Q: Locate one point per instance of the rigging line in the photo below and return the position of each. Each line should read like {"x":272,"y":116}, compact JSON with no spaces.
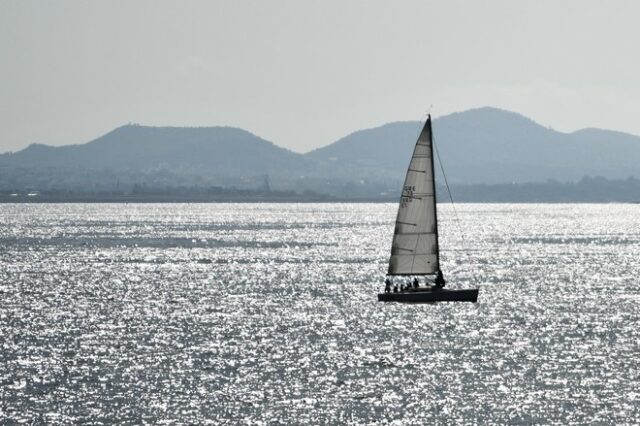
{"x":474,"y":278}
{"x":446,"y":183}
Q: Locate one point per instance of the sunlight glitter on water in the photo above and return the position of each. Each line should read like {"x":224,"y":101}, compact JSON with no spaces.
{"x":214,"y":313}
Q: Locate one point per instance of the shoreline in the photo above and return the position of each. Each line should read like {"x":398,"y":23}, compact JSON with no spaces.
{"x":275,"y":200}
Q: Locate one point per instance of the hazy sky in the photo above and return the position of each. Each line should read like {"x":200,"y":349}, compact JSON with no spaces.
{"x":303,"y":74}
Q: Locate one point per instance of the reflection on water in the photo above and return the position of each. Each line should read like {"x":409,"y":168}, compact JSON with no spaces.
{"x":267,"y":313}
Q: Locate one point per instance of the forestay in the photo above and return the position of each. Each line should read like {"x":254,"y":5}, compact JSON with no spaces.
{"x":414,"y":250}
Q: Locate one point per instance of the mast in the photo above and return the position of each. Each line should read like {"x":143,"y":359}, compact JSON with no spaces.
{"x":433,"y":189}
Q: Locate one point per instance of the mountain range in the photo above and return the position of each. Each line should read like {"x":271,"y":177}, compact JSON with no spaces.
{"x":490,"y":146}
{"x":478,"y":146}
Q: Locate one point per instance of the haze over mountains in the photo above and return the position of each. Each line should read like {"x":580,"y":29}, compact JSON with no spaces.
{"x":479,"y":146}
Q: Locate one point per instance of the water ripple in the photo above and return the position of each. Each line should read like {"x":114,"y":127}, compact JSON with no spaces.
{"x":266,"y":314}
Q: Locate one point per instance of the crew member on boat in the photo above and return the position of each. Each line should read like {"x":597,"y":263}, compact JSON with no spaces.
{"x":440,"y":282}
{"x":387,"y":285}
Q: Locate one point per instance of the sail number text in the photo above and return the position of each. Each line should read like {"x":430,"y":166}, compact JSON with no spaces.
{"x":407,"y":195}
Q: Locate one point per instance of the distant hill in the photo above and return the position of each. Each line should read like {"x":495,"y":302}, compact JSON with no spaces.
{"x":161,"y":156}
{"x":380,"y":154}
{"x":489,"y":145}
{"x":207,"y":150}
{"x":479,"y":146}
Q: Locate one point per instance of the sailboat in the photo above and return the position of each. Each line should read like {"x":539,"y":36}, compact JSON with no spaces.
{"x":415,"y":250}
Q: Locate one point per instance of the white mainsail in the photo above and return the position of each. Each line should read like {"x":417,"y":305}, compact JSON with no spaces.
{"x":414,"y":250}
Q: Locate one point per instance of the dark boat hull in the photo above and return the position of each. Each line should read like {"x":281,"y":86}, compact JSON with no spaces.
{"x":422,"y":295}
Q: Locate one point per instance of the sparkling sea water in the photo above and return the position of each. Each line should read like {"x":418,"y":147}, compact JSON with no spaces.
{"x":267,"y":314}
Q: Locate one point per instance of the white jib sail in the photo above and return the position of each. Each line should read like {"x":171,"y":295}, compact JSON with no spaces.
{"x":414,"y":250}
